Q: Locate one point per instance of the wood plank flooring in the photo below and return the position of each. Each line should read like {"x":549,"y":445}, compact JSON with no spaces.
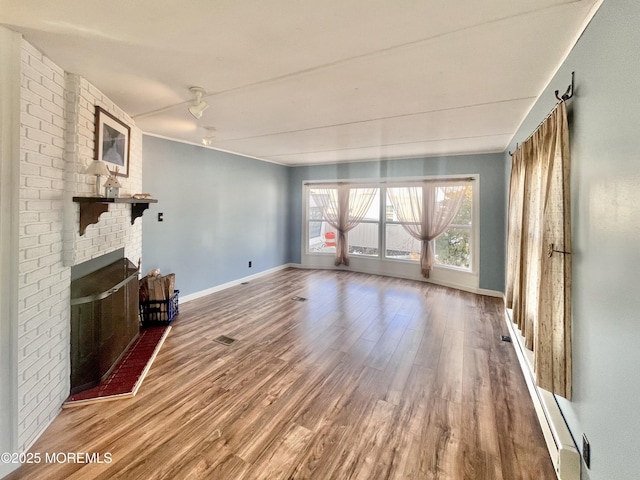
{"x":370,"y":378}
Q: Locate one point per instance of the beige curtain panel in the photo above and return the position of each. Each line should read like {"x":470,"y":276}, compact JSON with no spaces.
{"x":538,"y":284}
{"x":425,"y":213}
{"x":343,"y":208}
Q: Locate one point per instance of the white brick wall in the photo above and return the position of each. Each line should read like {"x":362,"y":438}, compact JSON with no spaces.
{"x":43,"y":318}
{"x":114,"y":229}
{"x":56,"y":144}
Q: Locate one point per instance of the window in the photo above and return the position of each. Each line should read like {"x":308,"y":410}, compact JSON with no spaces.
{"x":322,"y":236}
{"x":399,"y":244}
{"x":453,"y":247}
{"x":381,"y":236}
{"x":363,"y":239}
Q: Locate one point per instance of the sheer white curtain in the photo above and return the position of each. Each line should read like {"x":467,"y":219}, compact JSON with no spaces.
{"x":538,"y":285}
{"x":425,"y":212}
{"x":343,"y":208}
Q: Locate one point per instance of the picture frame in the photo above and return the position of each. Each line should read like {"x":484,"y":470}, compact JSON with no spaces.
{"x":112,"y":142}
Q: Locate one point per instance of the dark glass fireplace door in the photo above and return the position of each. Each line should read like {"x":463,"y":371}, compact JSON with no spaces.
{"x":104,"y":321}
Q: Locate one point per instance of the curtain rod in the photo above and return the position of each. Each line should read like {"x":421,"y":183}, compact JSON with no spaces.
{"x":426,"y":180}
{"x":565,"y":96}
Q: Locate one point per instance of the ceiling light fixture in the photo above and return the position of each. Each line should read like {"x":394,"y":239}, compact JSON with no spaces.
{"x":200,"y":106}
{"x":210,"y":138}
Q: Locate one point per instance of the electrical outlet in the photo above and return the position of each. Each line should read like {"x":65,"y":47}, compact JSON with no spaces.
{"x":161,"y":217}
{"x":586,"y":451}
{"x":250,"y":263}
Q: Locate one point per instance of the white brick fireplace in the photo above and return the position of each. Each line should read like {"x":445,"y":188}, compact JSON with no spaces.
{"x":46,"y":156}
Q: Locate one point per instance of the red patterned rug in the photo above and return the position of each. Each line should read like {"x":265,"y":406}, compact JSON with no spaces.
{"x":127,"y":376}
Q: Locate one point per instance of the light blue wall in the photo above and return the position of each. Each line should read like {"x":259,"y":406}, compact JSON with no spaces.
{"x":220,"y":212}
{"x":605,"y":194}
{"x":207,"y":196}
{"x":490,"y":167}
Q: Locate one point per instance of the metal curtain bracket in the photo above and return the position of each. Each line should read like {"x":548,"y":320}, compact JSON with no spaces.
{"x":569,"y":93}
{"x":565,"y":96}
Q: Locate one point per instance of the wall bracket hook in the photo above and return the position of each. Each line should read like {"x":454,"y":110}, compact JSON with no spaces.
{"x":569,"y":93}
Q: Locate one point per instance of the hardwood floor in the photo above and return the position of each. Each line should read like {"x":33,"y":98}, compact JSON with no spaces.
{"x":370,"y":378}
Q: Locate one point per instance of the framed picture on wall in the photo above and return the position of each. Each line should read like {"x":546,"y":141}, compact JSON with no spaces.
{"x":112,"y":142}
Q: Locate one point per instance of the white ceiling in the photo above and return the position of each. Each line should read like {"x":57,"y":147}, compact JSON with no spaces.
{"x":308,"y":82}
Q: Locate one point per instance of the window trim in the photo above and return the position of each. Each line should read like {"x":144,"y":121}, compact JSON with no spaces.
{"x":459,"y":277}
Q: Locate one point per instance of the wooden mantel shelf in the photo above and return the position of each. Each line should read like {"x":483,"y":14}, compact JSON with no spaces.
{"x":92,"y":207}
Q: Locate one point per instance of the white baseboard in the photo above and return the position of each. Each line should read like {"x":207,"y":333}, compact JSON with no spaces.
{"x":464,"y":288}
{"x":489,"y":293}
{"x":233,"y":283}
{"x":562,"y":449}
{"x":224,"y":286}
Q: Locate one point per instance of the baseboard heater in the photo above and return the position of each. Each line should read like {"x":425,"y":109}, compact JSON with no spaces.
{"x":562,"y":449}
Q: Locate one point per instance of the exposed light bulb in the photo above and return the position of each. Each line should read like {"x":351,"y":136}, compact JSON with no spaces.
{"x":210,"y":138}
